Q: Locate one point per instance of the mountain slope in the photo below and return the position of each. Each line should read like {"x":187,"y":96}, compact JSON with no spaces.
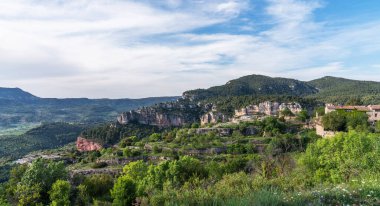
{"x":255,"y":85}
{"x":341,"y":90}
{"x":327,"y":89}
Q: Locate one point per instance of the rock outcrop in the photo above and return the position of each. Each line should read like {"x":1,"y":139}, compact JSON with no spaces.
{"x":85,"y":145}
{"x":268,"y":108}
{"x":163,"y":115}
{"x":213,"y":117}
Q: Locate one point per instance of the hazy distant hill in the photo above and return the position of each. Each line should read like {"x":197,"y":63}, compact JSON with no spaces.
{"x":15,"y":94}
{"x":18,"y":106}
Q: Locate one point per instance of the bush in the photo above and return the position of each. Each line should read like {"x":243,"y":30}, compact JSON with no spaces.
{"x":60,"y":193}
{"x":343,"y":157}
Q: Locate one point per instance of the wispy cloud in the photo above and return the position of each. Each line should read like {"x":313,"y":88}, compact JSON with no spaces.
{"x":118,"y":48}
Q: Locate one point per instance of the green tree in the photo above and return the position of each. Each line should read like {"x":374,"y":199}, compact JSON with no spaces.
{"x":28,"y":195}
{"x":320,"y":111}
{"x":303,"y":116}
{"x":155,"y":137}
{"x":98,"y":185}
{"x":357,"y":119}
{"x":15,"y":177}
{"x":83,"y":197}
{"x":343,"y":157}
{"x":354,"y":101}
{"x":377,"y":126}
{"x":60,"y":193}
{"x":137,"y":171}
{"x":195,"y":125}
{"x":335,"y":121}
{"x":44,"y":173}
{"x":37,"y":180}
{"x":124,"y":191}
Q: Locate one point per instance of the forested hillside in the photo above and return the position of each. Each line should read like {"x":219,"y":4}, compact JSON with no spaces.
{"x":46,"y":136}
{"x":340,"y":90}
{"x":326,"y":89}
{"x":255,"y":85}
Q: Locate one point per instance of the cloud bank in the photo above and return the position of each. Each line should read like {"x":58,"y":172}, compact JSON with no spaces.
{"x":119,"y":48}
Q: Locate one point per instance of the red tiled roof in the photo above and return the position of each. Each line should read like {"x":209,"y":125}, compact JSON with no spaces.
{"x":375,"y":107}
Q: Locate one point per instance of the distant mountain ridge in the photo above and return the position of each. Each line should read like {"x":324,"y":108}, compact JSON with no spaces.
{"x":15,"y":94}
{"x":257,"y":85}
{"x":18,"y":106}
{"x":326,"y":89}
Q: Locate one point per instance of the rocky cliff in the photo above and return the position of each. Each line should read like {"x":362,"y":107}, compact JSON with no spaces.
{"x":213,"y":117}
{"x":268,"y":108}
{"x":85,"y":145}
{"x":164,"y":114}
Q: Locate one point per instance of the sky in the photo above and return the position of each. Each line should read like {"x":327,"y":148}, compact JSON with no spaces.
{"x":142,"y":48}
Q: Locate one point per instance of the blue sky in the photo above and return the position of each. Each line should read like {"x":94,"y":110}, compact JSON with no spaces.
{"x":140,"y":48}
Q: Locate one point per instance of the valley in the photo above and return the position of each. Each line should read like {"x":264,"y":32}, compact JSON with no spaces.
{"x":252,"y":141}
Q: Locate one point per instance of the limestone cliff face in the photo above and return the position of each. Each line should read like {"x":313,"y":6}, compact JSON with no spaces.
{"x":268,"y":108}
{"x":163,"y":115}
{"x":213,"y":117}
{"x":85,"y":145}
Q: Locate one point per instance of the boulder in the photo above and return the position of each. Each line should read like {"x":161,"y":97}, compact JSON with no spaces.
{"x":85,"y":145}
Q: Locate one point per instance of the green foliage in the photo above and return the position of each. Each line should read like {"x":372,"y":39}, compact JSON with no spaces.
{"x":155,"y":137}
{"x":343,"y":157}
{"x":60,"y":193}
{"x":342,"y":121}
{"x":287,"y":112}
{"x":47,"y":136}
{"x":83,"y":197}
{"x":334,"y":121}
{"x":28,"y":194}
{"x":124,"y":191}
{"x":97,"y":186}
{"x":112,"y":134}
{"x":343,"y":91}
{"x":44,"y":173}
{"x":354,"y":102}
{"x":320,"y":111}
{"x":377,"y":126}
{"x":255,"y":85}
{"x":30,"y":185}
{"x":303,"y":116}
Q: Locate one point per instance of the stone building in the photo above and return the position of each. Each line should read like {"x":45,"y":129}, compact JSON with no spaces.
{"x":373,"y":111}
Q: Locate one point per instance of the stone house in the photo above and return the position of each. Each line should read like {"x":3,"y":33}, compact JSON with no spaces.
{"x":373,"y":112}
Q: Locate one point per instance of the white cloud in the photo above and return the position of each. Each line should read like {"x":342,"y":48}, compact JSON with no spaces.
{"x":117,"y":48}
